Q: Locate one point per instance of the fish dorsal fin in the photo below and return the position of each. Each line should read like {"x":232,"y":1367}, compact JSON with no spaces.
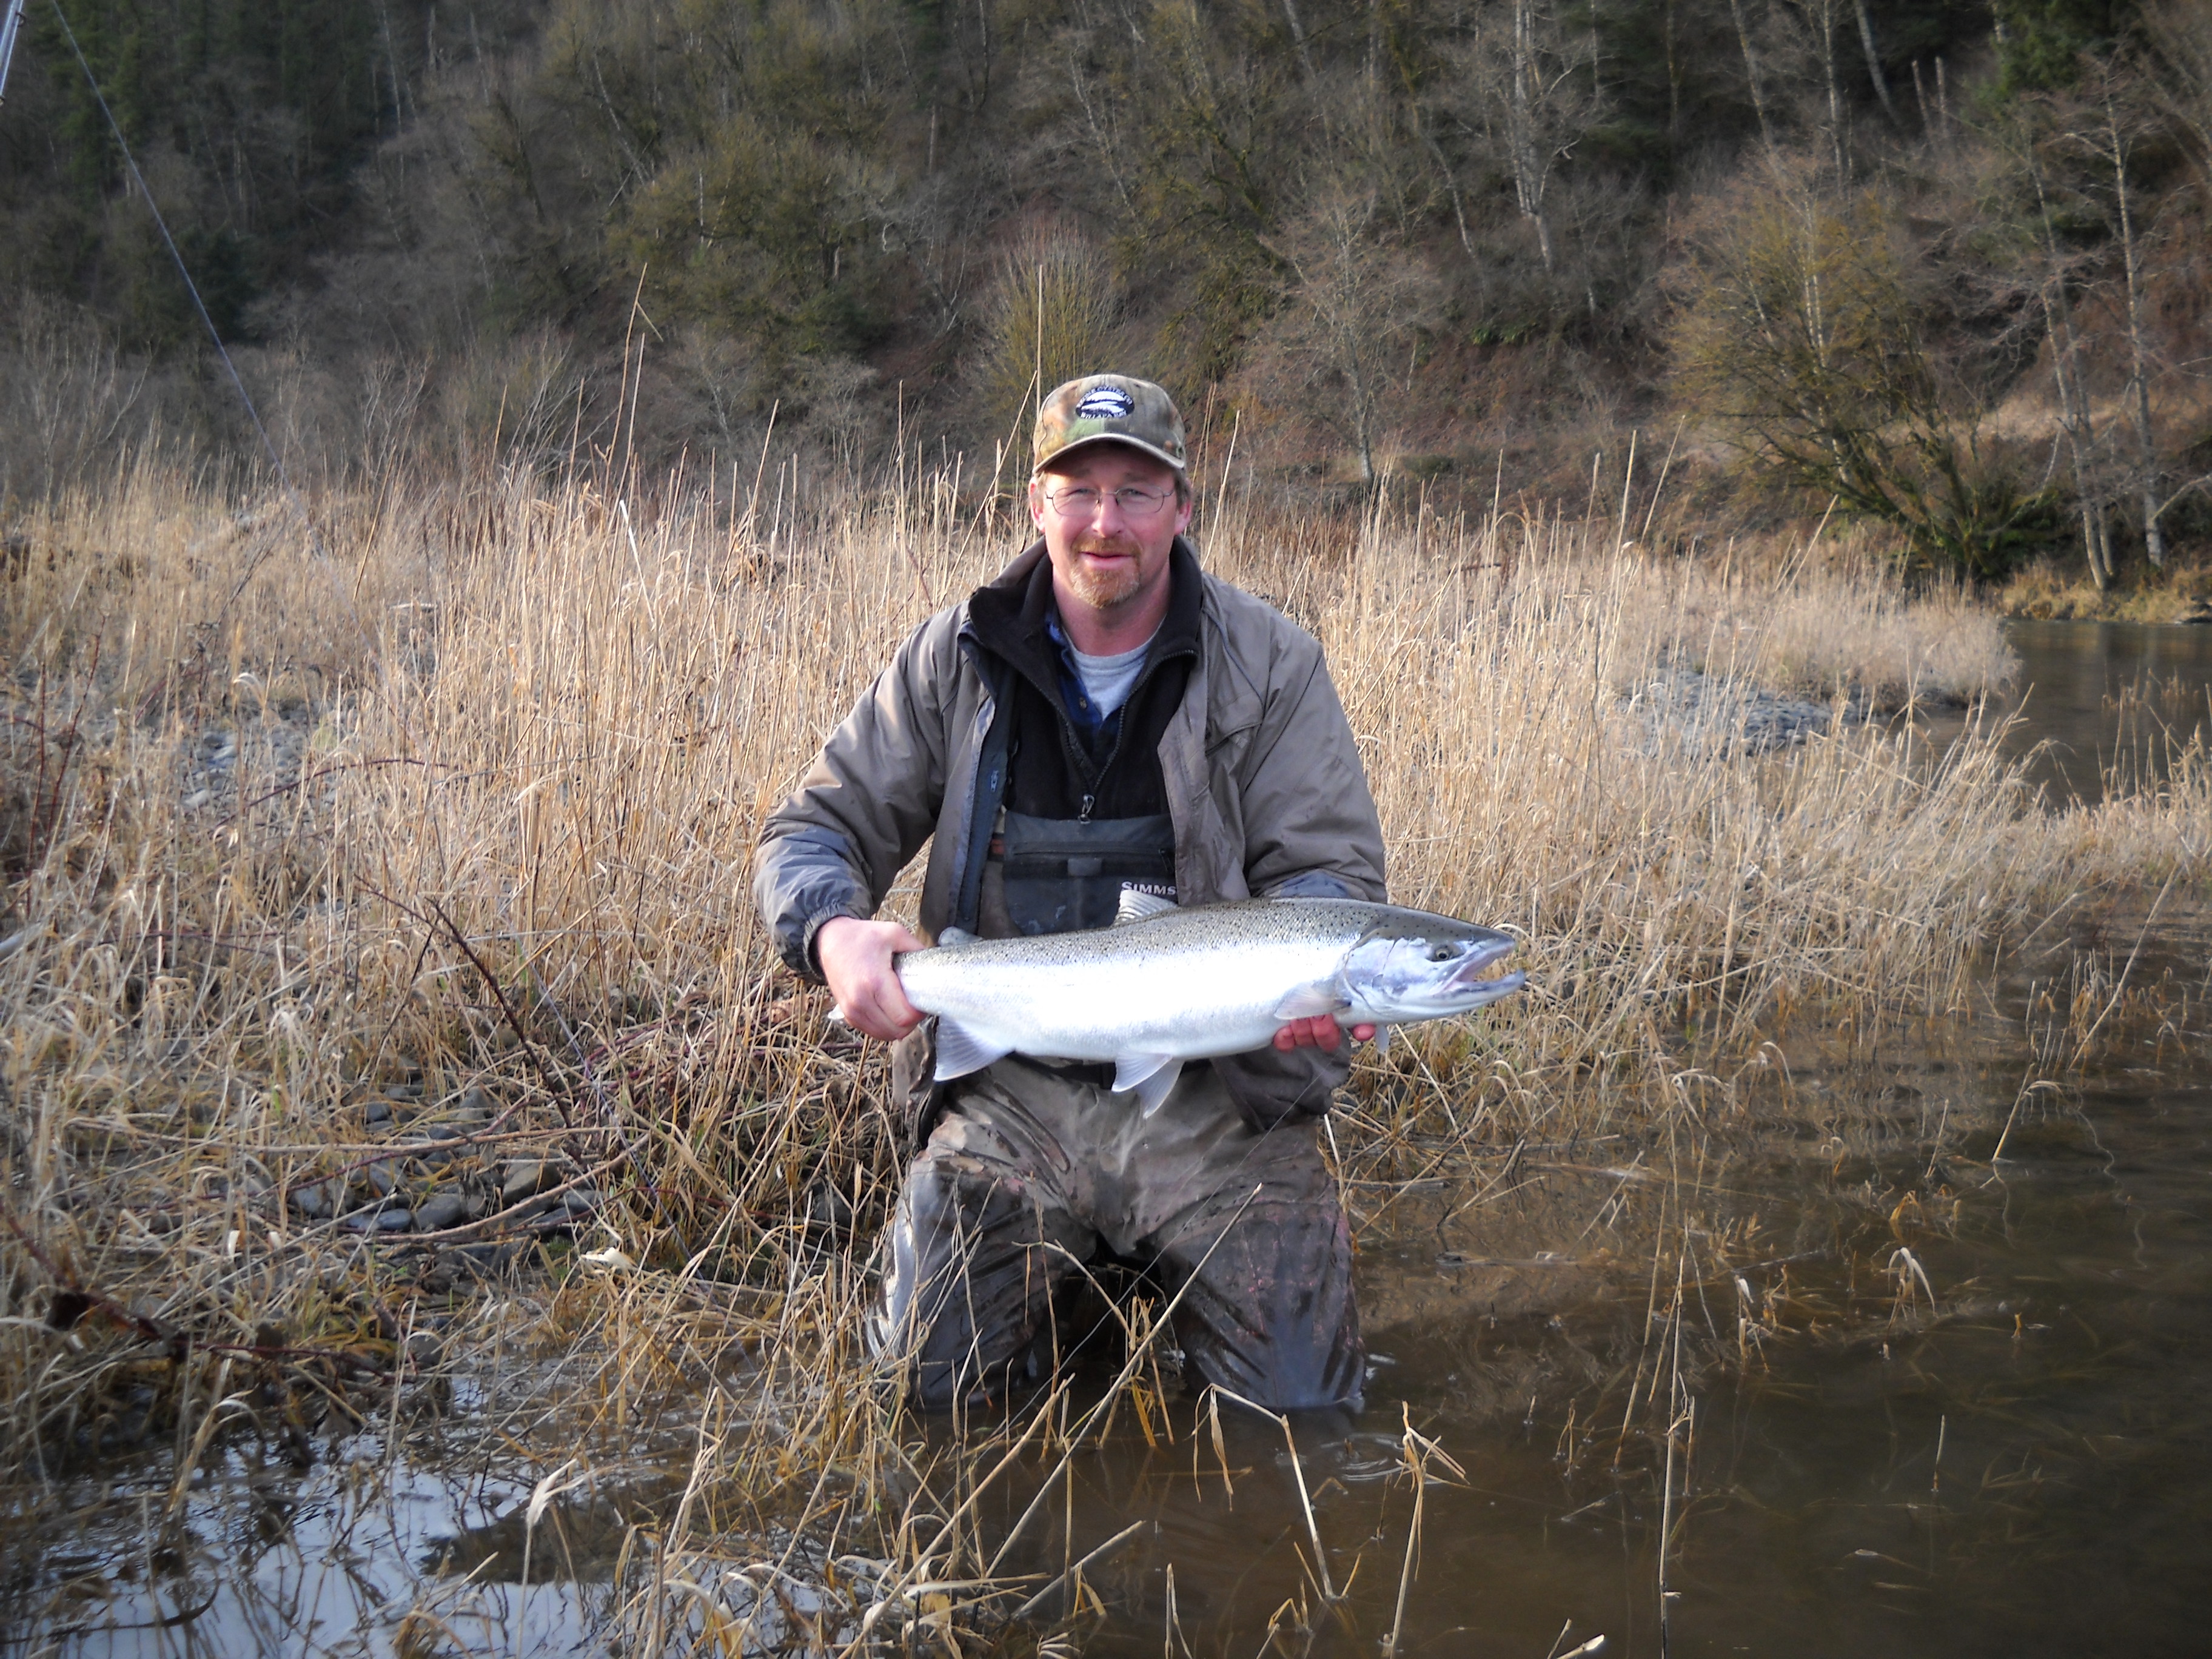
{"x":960,"y":1051}
{"x":955,"y":936}
{"x":1138,"y":905}
{"x":1148,"y":1077}
{"x":1322,"y":996}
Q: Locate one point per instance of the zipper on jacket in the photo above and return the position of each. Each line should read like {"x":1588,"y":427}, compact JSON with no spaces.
{"x":1083,"y":816}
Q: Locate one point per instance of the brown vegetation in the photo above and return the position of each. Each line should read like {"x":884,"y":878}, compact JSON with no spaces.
{"x":1941,"y":267}
{"x":423,"y":854}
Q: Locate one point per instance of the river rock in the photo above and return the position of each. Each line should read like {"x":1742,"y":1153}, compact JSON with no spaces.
{"x":395,"y":1219}
{"x":435,"y":1215}
{"x":525,"y":1178}
{"x":1710,"y":714}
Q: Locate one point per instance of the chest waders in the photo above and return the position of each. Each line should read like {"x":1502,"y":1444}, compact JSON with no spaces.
{"x":1063,"y":875}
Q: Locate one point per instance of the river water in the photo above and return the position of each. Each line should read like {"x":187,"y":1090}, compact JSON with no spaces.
{"x":2093,"y":698}
{"x":1920,"y":1363}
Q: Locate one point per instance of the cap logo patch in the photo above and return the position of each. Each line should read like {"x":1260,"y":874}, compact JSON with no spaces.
{"x":1105,"y":403}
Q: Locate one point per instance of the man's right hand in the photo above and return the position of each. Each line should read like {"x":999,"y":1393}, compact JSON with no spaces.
{"x":855,"y":957}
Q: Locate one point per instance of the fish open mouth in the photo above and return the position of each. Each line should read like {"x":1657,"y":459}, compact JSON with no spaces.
{"x":1474,"y":984}
{"x":1474,"y":970}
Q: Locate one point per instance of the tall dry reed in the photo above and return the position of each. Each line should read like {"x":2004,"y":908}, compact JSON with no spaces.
{"x":460,"y":803}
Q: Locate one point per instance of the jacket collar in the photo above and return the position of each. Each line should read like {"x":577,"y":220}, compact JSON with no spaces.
{"x":1007,"y":616}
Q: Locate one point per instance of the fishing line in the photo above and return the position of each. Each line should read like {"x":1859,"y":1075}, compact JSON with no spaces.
{"x":292,"y":497}
{"x":277,"y":461}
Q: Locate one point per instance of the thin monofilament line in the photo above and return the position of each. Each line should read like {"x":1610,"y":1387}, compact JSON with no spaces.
{"x":277,"y":461}
{"x":283,"y":479}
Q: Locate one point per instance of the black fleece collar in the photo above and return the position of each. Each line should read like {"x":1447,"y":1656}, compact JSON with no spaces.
{"x":1007,"y":616}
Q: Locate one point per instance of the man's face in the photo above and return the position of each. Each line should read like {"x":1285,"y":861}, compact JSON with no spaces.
{"x":1106,"y":557}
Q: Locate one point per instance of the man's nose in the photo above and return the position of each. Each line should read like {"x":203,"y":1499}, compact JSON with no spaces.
{"x":1110,"y":517}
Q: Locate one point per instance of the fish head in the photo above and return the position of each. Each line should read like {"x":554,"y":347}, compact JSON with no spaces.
{"x":1419,"y":966}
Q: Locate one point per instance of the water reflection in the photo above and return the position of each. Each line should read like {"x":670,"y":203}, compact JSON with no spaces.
{"x":2096,"y":696}
{"x":2002,"y":1446}
{"x":357,"y":1556}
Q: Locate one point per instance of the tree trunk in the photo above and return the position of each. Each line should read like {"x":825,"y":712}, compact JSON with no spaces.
{"x":2075,"y":420}
{"x":2097,"y":540}
{"x":1674,"y":84}
{"x":1751,"y":73}
{"x":1827,"y":14}
{"x":1298,"y":37}
{"x":1530,"y":166}
{"x":2077,"y":425}
{"x":1451,"y":183}
{"x":1874,"y":63}
{"x":2139,"y":366}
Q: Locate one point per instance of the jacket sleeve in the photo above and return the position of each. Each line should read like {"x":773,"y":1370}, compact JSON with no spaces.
{"x":1310,"y":828}
{"x":1310,"y":831}
{"x":867,"y":805}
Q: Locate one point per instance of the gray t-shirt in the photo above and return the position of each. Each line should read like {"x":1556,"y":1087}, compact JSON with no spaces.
{"x":1107,"y":680}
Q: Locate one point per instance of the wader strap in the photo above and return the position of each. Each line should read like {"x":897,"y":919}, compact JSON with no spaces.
{"x":990,"y":790}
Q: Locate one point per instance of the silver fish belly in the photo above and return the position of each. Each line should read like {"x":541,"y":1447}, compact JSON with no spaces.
{"x":1166,"y":985}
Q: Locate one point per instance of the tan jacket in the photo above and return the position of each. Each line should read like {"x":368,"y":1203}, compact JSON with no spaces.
{"x":1263,"y":781}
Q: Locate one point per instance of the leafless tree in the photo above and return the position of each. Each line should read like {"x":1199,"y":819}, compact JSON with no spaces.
{"x":1522,"y":92}
{"x":1351,"y":314}
{"x":1816,"y":22}
{"x":1874,"y":61}
{"x":1751,"y":75}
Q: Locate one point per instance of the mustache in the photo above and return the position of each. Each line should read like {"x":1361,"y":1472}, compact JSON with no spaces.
{"x":1093,"y":543}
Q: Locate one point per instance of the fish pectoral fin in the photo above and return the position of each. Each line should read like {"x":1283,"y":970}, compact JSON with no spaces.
{"x":1148,"y":1077}
{"x":1137,"y":905}
{"x":1382,"y":1041}
{"x":960,"y":1051}
{"x":1323,"y":996}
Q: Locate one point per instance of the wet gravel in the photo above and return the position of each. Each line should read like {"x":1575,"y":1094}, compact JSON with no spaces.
{"x":1708,"y":714}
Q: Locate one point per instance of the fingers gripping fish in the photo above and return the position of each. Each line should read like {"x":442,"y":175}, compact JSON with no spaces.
{"x":1165,"y":985}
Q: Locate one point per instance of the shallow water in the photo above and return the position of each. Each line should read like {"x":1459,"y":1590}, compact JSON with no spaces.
{"x":2091,"y":696}
{"x":2021,"y":1464}
{"x":2018,"y":1462}
{"x":1999,"y":1441}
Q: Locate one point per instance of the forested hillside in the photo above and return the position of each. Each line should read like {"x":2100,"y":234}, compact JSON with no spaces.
{"x":1943,"y":265}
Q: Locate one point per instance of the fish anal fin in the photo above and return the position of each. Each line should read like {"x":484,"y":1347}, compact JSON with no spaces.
{"x":960,"y":1051}
{"x":1323,"y":996}
{"x":1138,"y":905}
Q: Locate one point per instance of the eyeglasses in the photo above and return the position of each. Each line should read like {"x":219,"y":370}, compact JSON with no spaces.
{"x":1082,"y":501}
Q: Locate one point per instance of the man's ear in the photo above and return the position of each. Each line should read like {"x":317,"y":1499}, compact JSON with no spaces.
{"x":1036,"y":502}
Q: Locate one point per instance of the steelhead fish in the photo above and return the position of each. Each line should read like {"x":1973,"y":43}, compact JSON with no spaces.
{"x":1165,"y":985}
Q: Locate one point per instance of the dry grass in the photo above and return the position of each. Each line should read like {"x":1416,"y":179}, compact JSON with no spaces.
{"x":532,"y":734}
{"x":2047,"y":589}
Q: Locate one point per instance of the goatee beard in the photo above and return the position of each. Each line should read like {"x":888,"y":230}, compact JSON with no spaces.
{"x":1103,"y":590}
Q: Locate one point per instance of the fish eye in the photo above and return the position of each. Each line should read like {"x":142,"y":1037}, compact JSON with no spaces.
{"x":1440,"y":953}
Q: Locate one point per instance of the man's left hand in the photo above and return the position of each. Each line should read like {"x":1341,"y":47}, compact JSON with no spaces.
{"x":1321,"y":1032}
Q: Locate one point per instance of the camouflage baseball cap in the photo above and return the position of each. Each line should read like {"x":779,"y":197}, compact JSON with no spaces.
{"x":1099,"y":408}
